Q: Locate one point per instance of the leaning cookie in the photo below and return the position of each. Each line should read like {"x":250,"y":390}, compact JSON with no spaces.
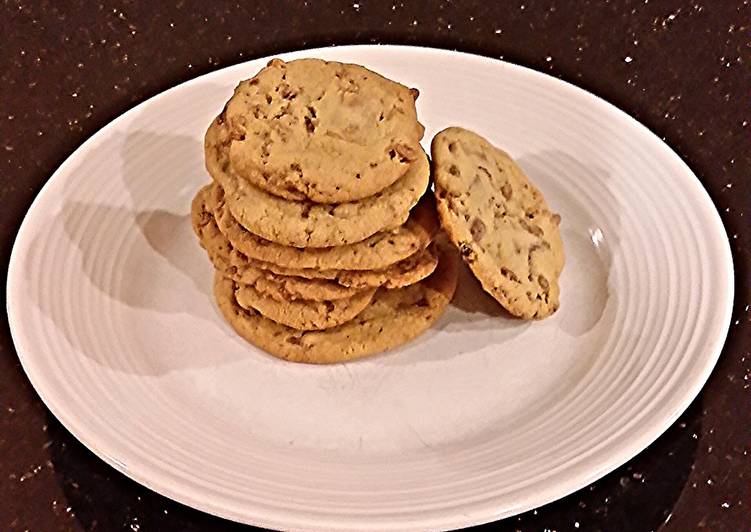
{"x":393,"y":318}
{"x":499,"y":221}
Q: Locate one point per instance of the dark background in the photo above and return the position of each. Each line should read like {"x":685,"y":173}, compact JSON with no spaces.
{"x":682,"y":68}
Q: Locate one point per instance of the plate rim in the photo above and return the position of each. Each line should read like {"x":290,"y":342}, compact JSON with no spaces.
{"x":617,"y":456}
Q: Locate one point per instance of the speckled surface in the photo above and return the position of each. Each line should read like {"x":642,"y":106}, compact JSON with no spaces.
{"x":682,"y":68}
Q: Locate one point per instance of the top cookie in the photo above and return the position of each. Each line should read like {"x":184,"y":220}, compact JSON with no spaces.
{"x":321,"y":130}
{"x":499,"y":221}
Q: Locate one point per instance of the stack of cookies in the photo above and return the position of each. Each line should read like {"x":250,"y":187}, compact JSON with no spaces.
{"x":319,"y":220}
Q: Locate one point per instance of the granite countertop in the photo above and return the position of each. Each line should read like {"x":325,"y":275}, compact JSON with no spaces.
{"x":681,"y":68}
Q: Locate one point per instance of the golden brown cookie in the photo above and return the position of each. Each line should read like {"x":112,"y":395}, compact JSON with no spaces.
{"x":287,"y":288}
{"x":403,"y":273}
{"x":321,"y":130}
{"x":499,"y":221}
{"x":306,"y":224}
{"x":393,"y":318}
{"x":236,"y":266}
{"x":302,"y":314}
{"x":302,"y":283}
{"x":374,"y":253}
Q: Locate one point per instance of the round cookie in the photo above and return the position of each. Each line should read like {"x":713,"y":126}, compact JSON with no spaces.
{"x":374,"y":253}
{"x":308,"y":283}
{"x":321,"y":130}
{"x":286,"y":288}
{"x":303,"y":314}
{"x":403,"y":273}
{"x":499,"y":221}
{"x":236,"y":266}
{"x":393,"y":318}
{"x":305,"y":224}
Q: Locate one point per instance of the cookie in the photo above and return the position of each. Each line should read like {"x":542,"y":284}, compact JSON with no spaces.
{"x":374,"y":253}
{"x":322,"y":131}
{"x":286,"y":288}
{"x":301,"y":314}
{"x":306,"y":224}
{"x":403,"y":273}
{"x":499,"y":221}
{"x":236,"y":266}
{"x":393,"y":318}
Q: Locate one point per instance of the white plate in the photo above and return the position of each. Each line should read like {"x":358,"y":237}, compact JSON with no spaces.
{"x":481,"y":418}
